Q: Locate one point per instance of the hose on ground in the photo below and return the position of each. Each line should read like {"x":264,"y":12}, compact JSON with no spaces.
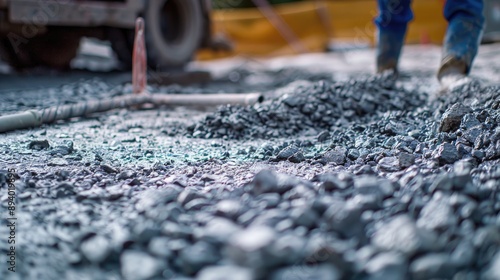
{"x":35,"y":118}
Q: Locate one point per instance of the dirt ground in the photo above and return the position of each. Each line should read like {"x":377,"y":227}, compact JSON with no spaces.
{"x":337,"y":175}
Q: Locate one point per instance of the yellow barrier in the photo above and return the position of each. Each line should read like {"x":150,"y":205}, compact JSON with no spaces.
{"x":351,"y":21}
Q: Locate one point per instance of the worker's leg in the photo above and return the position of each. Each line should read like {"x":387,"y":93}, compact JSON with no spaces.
{"x":465,"y":25}
{"x":392,"y":23}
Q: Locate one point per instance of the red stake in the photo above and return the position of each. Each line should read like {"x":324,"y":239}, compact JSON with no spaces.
{"x":139,"y":64}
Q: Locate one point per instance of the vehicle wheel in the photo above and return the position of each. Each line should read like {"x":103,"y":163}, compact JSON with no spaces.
{"x":173,"y":32}
{"x":122,"y":43}
{"x":54,"y":49}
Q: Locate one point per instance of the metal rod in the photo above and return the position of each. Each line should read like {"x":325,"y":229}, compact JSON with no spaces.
{"x":20,"y":121}
{"x":206,"y":99}
{"x":35,"y":118}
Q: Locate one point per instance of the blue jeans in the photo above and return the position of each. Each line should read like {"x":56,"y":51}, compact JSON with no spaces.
{"x":465,"y":24}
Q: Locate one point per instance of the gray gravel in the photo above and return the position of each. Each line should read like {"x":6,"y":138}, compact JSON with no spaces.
{"x":356,"y":179}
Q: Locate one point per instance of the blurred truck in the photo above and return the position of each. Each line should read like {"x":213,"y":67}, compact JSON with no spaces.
{"x":48,"y":32}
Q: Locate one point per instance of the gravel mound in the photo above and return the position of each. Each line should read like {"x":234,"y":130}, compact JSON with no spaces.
{"x":390,"y":185}
{"x":320,"y":105}
{"x":336,"y":225}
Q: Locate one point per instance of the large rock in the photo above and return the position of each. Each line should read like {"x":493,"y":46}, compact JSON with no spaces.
{"x":304,"y":216}
{"x":492,"y":272}
{"x":406,"y":160}
{"x":288,"y":249}
{"x":217,"y":230}
{"x":453,"y":117}
{"x":197,"y":256}
{"x":389,"y":164}
{"x":291,"y":153}
{"x":187,"y":195}
{"x":230,"y":209}
{"x":437,"y":214}
{"x":152,"y":197}
{"x":345,"y":218}
{"x":330,"y":182}
{"x":336,"y":156}
{"x":39,"y":144}
{"x":136,"y":265}
{"x":159,"y":246}
{"x":402,"y":234}
{"x":325,"y":248}
{"x":385,"y":266}
{"x":96,"y":249}
{"x":225,"y":272}
{"x":372,"y":185}
{"x":250,"y":247}
{"x":446,"y":153}
{"x":265,"y":181}
{"x":433,"y":266}
{"x":303,"y":272}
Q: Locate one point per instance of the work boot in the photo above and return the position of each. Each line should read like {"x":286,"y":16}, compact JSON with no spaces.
{"x":452,"y":73}
{"x":389,"y":45}
{"x":461,"y":44}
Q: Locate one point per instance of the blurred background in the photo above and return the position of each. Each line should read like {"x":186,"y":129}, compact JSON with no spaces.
{"x":99,"y":34}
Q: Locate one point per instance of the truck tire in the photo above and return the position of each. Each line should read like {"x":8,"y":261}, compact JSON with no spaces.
{"x":122,"y":43}
{"x":173,"y":31}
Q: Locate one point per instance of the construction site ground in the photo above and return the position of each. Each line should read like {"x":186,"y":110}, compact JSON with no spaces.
{"x":338,"y":174}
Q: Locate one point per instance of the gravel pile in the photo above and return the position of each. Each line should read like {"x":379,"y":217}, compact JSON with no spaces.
{"x":389,"y":186}
{"x":415,"y":224}
{"x":309,"y":107}
{"x":439,"y":160}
